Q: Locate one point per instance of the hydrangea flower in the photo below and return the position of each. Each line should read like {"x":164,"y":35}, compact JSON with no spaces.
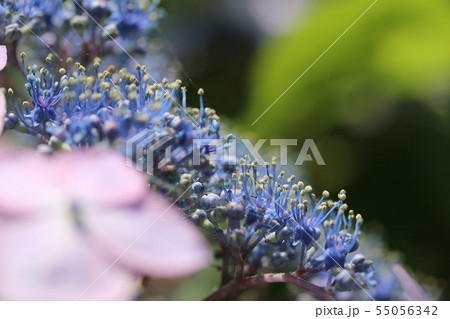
{"x":80,"y":109}
{"x":87,"y":228}
{"x":394,"y":283}
{"x":20,"y":16}
{"x":258,"y":215}
{"x":279,"y":224}
{"x":134,"y":18}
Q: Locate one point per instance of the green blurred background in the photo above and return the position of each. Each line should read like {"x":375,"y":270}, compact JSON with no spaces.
{"x":377,"y":103}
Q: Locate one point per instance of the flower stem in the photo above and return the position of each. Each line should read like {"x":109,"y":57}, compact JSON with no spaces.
{"x":237,"y":285}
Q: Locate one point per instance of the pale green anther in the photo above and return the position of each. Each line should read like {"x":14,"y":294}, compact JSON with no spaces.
{"x":311,"y":251}
{"x":184,"y":182}
{"x":359,"y":219}
{"x":96,"y":97}
{"x":79,"y":23}
{"x":186,"y":176}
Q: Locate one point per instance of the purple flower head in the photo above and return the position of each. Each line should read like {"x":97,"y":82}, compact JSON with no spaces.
{"x":20,"y":16}
{"x":134,"y":18}
{"x":339,"y":241}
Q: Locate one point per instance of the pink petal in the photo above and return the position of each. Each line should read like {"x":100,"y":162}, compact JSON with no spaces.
{"x":156,"y":241}
{"x":44,"y":260}
{"x":32,"y":183}
{"x":100,"y":177}
{"x":2,"y":111}
{"x":27,"y":184}
{"x":3,"y":57}
{"x":410,"y":286}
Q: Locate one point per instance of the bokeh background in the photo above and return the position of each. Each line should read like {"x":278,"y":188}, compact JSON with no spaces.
{"x":377,"y":104}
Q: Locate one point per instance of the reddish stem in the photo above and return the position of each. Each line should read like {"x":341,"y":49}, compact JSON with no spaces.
{"x":236,"y":286}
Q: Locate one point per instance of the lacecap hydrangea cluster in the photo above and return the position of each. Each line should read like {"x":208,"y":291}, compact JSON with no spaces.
{"x":91,"y":19}
{"x":261,"y":218}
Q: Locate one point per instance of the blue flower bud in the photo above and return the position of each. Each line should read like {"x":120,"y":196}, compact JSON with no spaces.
{"x":51,"y":114}
{"x":235,"y":210}
{"x":12,"y":32}
{"x":360,"y":263}
{"x":209,"y":201}
{"x":99,"y":9}
{"x":38,"y":115}
{"x":251,"y":217}
{"x":198,"y":216}
{"x":198,"y":188}
{"x":344,"y":281}
{"x":306,"y":235}
{"x":219,"y":214}
{"x":11,"y":120}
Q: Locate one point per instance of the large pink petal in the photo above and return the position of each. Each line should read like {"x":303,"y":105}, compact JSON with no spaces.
{"x":2,"y":111}
{"x":3,"y":57}
{"x":44,"y":260}
{"x":410,"y":286}
{"x":101,"y":178}
{"x":27,"y":184}
{"x":156,"y":241}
